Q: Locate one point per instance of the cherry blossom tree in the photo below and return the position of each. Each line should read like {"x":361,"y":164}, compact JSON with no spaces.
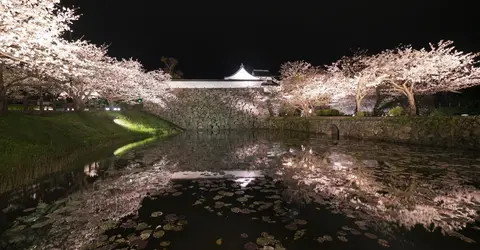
{"x":412,"y":71}
{"x":304,"y":86}
{"x":28,"y":31}
{"x":356,"y":76}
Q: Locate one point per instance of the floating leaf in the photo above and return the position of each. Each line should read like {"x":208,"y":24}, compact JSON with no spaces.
{"x":141,"y":226}
{"x":291,"y":226}
{"x":242,"y":199}
{"x":250,"y":246}
{"x":182,"y":222}
{"x":370,"y":235}
{"x":145,"y":234}
{"x":299,"y":234}
{"x":300,"y":222}
{"x":159,"y":234}
{"x":341,"y":233}
{"x":198,"y":202}
{"x":262,"y":241}
{"x":217,"y":197}
{"x":244,"y":235}
{"x":168,"y":227}
{"x":342,"y":238}
{"x":383,"y":242}
{"x":229,"y":194}
{"x":165,"y":243}
{"x":327,"y":238}
{"x":219,"y":242}
{"x":156,"y":214}
{"x":236,"y":210}
{"x":177,"y":228}
{"x":239,"y":192}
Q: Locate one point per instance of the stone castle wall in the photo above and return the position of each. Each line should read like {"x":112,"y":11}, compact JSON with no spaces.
{"x":214,"y":108}
{"x":449,"y":131}
{"x":246,"y":108}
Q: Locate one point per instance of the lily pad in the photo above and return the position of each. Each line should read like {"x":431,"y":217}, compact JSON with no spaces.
{"x":370,"y":235}
{"x":217,"y":197}
{"x":169,"y":227}
{"x":165,"y":243}
{"x":159,"y":234}
{"x":262,"y":241}
{"x":219,"y":242}
{"x":229,"y":194}
{"x":300,"y":222}
{"x":198,"y":202}
{"x":177,"y":194}
{"x":299,"y":234}
{"x":242,"y":199}
{"x":291,"y":226}
{"x":250,"y":246}
{"x":142,"y":226}
{"x":383,"y":242}
{"x":236,"y":210}
{"x":144,"y":235}
{"x":156,"y":214}
{"x":342,"y":238}
{"x":182,"y":222}
{"x":244,"y":235}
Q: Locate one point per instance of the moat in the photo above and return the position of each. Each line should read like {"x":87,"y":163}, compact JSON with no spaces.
{"x":251,"y":190}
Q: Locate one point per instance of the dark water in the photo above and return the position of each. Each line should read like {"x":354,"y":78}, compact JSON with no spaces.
{"x":253,"y":190}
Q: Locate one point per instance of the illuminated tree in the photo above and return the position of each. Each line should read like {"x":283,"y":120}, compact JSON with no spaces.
{"x":412,"y":71}
{"x":356,"y":76}
{"x":304,"y":86}
{"x":28,"y":31}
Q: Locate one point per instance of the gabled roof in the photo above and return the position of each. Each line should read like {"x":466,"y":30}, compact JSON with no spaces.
{"x":242,"y":74}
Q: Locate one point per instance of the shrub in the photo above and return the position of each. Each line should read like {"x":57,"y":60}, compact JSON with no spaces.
{"x":447,"y":111}
{"x":397,"y":111}
{"x":360,"y":114}
{"x":328,"y":112}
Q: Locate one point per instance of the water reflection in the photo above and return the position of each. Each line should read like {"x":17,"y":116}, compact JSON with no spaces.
{"x":387,"y":188}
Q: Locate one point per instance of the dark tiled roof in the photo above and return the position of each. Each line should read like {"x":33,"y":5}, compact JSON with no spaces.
{"x":261,"y":72}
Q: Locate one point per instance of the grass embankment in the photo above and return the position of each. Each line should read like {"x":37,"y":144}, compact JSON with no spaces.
{"x":40,"y":145}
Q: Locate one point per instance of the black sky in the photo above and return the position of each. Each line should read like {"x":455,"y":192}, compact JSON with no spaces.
{"x":211,"y":39}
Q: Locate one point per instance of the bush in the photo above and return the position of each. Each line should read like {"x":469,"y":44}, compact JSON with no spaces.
{"x":397,"y":111}
{"x":447,"y":111}
{"x":360,"y":114}
{"x":328,"y":112}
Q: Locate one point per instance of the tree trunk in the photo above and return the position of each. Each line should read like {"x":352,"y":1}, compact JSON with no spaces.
{"x":378,"y":102}
{"x":358,"y":104}
{"x":40,"y":101}
{"x":78,"y":104}
{"x":54,"y":102}
{"x":3,"y":93}
{"x":3,"y":101}
{"x":25,"y":102}
{"x":412,"y":107}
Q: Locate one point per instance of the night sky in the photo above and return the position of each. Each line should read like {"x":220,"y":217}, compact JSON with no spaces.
{"x":210,"y":40}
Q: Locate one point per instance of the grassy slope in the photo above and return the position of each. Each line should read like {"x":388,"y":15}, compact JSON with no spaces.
{"x":33,"y":146}
{"x":41,"y":140}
